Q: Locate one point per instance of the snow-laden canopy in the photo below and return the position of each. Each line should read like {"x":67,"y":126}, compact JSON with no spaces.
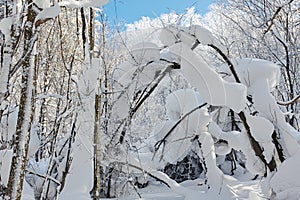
{"x":250,"y":70}
{"x":210,"y":85}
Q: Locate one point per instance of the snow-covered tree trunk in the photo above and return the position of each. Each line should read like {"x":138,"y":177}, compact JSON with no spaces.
{"x":22,"y":137}
{"x":10,"y":29}
{"x":95,"y":192}
{"x":4,"y":72}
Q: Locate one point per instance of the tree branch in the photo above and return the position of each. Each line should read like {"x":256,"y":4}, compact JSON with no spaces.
{"x":160,"y":142}
{"x":287,"y":103}
{"x":254,"y":144}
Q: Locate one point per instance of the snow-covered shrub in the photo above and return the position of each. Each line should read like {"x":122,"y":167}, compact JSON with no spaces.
{"x":231,"y":122}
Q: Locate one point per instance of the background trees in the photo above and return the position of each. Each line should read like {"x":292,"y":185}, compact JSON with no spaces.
{"x":267,"y":30}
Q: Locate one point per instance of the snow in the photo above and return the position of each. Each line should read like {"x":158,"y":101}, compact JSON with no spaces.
{"x":267,"y":107}
{"x":188,"y":35}
{"x":178,"y":104}
{"x":27,"y":193}
{"x":88,"y":80}
{"x":48,"y":13}
{"x":211,"y":86}
{"x":83,"y":3}
{"x":42,"y":3}
{"x":285,"y":182}
{"x":7,"y":132}
{"x":79,"y":181}
{"x":239,"y":141}
{"x":36,"y":182}
{"x":167,"y":37}
{"x":258,"y":78}
{"x":34,"y":142}
{"x":121,"y":69}
{"x":5,"y":27}
{"x":261,"y":77}
{"x":222,"y":149}
{"x":143,"y":53}
{"x":48,"y":95}
{"x":182,"y":101}
{"x":5,"y":162}
{"x":204,"y":36}
{"x":228,"y":188}
{"x":262,"y":130}
{"x":249,"y":70}
{"x":134,"y":76}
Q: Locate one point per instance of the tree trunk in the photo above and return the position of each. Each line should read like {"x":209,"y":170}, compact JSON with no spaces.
{"x":95,"y":192}
{"x":22,"y":135}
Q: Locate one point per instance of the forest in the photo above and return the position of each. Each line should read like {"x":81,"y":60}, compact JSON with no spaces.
{"x":182,"y":106}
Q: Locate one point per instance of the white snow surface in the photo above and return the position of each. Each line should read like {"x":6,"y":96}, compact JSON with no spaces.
{"x":239,"y":141}
{"x":5,"y":26}
{"x":178,"y":104}
{"x":188,"y":35}
{"x":268,"y":108}
{"x":285,"y":182}
{"x":42,"y":3}
{"x":83,"y":3}
{"x":262,"y":130}
{"x":5,"y":162}
{"x":143,"y":53}
{"x":48,"y":13}
{"x":167,"y":37}
{"x":132,"y":77}
{"x":225,"y":188}
{"x":210,"y":85}
{"x":249,"y":70}
{"x":80,"y":178}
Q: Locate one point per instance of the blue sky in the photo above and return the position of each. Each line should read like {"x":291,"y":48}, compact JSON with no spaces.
{"x":133,"y":10}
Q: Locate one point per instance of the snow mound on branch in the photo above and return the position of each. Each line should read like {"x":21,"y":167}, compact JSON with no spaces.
{"x":144,"y":52}
{"x":167,"y":37}
{"x":48,"y":13}
{"x":204,"y":36}
{"x":130,"y":79}
{"x":179,"y":104}
{"x":240,"y":142}
{"x":268,"y":108}
{"x":5,"y":26}
{"x":182,"y":101}
{"x":211,"y":86}
{"x":121,"y":69}
{"x":262,"y":130}
{"x":285,"y":183}
{"x":249,"y":70}
{"x":188,"y":35}
{"x":42,"y":3}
